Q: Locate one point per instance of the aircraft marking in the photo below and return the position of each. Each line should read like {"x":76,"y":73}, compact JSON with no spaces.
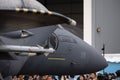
{"x":42,"y":11}
{"x":34,"y":11}
{"x":62,"y":59}
{"x":25,"y":10}
{"x":17,"y":9}
{"x":49,"y":12}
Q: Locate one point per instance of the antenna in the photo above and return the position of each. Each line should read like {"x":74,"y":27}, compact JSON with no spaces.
{"x":103,"y":49}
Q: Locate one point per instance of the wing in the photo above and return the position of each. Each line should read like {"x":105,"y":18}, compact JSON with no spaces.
{"x":26,"y":14}
{"x":12,"y":20}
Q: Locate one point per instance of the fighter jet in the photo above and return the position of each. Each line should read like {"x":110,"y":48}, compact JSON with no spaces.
{"x":27,"y":14}
{"x":33,"y":42}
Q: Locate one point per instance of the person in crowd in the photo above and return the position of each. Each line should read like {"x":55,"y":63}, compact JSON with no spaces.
{"x":44,"y":77}
{"x":30,"y":78}
{"x":118,"y":75}
{"x":36,"y":77}
{"x":20,"y":77}
{"x":71,"y":77}
{"x":113,"y":76}
{"x":81,"y":77}
{"x":26,"y":77}
{"x":63,"y":77}
{"x":50,"y":77}
{"x":100,"y":76}
{"x":14,"y":78}
{"x":92,"y":76}
{"x":105,"y":76}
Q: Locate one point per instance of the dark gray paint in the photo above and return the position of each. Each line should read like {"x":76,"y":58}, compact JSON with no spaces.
{"x":40,"y":35}
{"x":79,"y":57}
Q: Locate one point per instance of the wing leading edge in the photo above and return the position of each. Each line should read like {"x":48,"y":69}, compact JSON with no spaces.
{"x":12,"y":20}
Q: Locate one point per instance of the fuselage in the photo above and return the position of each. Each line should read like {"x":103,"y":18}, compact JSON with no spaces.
{"x":72,"y":56}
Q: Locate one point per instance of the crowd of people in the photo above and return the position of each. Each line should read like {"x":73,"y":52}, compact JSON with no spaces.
{"x":91,"y":76}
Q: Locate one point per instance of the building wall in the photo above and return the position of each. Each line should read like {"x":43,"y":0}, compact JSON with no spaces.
{"x":106,"y":16}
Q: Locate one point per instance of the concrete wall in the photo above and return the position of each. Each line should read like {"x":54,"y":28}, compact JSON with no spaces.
{"x":106,"y":16}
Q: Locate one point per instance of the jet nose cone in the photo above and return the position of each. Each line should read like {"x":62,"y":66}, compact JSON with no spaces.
{"x":79,"y":57}
{"x":96,"y":61}
{"x":90,"y":59}
{"x":85,"y":58}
